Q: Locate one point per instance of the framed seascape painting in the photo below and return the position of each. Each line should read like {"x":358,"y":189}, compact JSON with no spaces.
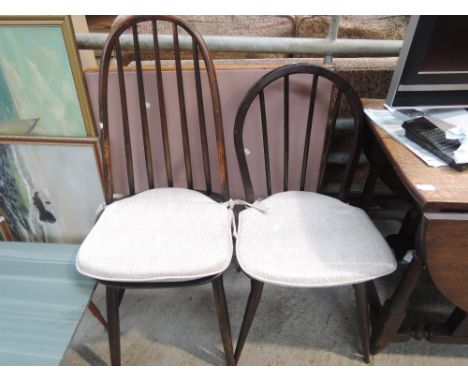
{"x":42,"y":89}
{"x":50,"y":188}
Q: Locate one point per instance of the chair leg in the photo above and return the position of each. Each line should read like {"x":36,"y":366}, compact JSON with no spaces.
{"x":256,"y":288}
{"x":223,"y":319}
{"x":363,"y":318}
{"x":112,"y":302}
{"x":120,"y":295}
{"x":373,"y":298}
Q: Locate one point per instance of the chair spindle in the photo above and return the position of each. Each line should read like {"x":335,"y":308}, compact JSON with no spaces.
{"x":162,"y":106}
{"x":201,"y":119}
{"x":310,"y":118}
{"x":331,"y":123}
{"x":183,"y":113}
{"x":143,"y":113}
{"x":286,"y":132}
{"x":126,"y":129}
{"x":261,"y":98}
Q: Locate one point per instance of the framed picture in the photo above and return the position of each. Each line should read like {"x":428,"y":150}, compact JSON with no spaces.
{"x":5,"y":233}
{"x":50,"y":188}
{"x":42,"y":89}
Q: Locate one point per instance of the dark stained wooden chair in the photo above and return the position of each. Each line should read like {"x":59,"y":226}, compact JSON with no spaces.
{"x":112,"y":251}
{"x":295,"y":236}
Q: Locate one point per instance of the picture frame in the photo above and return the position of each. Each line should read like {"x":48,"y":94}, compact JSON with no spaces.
{"x":5,"y":233}
{"x":42,"y":87}
{"x":50,"y":188}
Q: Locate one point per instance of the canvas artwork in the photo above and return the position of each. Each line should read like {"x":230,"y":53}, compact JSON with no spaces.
{"x":50,"y":190}
{"x":41,"y":89}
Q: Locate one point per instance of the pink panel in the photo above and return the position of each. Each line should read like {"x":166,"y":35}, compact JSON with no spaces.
{"x":233,"y":84}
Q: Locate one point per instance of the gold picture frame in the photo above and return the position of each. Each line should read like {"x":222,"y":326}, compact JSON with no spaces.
{"x":74,"y":63}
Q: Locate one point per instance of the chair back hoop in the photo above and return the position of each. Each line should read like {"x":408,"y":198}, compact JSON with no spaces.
{"x":112,"y":45}
{"x":340,"y":88}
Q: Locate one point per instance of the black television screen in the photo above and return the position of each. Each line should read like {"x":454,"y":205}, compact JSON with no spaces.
{"x":444,"y":53}
{"x":432,"y":69}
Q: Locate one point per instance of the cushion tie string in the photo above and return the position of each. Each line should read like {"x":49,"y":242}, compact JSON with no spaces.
{"x":101,"y":207}
{"x":230,"y":204}
{"x":99,"y":210}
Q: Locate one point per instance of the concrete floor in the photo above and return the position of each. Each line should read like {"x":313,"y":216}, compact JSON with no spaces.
{"x":292,"y":327}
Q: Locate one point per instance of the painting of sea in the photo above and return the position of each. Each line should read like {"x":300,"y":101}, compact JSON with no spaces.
{"x":50,"y":190}
{"x":38,"y":88}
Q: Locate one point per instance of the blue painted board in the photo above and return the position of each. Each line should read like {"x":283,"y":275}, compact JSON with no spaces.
{"x":42,"y":299}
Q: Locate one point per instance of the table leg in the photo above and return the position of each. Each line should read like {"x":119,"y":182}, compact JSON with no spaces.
{"x":395,"y":309}
{"x":459,"y":323}
{"x":452,"y":331}
{"x":369,"y":187}
{"x":404,"y":239}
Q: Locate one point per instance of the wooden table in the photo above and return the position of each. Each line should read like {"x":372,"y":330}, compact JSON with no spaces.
{"x":451,"y":186}
{"x":437,"y":228}
{"x":42,"y":299}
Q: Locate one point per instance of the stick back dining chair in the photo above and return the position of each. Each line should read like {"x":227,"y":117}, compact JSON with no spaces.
{"x":299,"y":238}
{"x":164,"y":236}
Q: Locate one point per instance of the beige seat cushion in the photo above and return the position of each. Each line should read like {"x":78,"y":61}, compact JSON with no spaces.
{"x":305,"y":239}
{"x":166,"y":234}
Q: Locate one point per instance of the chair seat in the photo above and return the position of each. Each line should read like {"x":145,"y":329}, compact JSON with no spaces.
{"x":165,"y":234}
{"x":304,"y":239}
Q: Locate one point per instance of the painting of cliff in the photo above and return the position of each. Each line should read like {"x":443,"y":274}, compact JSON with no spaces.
{"x":50,"y":191}
{"x":38,"y":95}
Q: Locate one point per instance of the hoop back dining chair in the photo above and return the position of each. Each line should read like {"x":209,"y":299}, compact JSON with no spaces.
{"x":297,"y":237}
{"x":163,"y":236}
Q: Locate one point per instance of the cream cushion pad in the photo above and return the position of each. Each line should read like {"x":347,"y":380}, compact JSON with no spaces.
{"x":304,"y":239}
{"x":165,"y":234}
